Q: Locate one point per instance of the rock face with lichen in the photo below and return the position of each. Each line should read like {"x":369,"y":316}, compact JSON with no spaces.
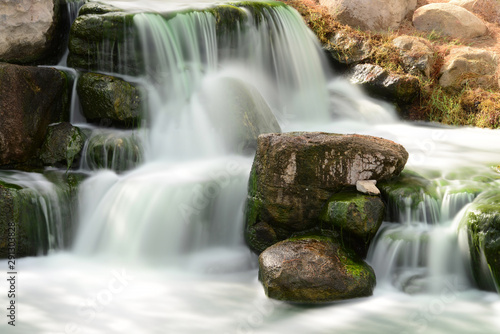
{"x":294,"y":174}
{"x":313,"y":270}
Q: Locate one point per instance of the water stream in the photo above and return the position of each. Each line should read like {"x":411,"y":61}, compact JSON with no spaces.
{"x":158,"y":246}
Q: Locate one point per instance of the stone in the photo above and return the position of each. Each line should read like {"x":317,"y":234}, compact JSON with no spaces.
{"x":62,"y":146}
{"x":30,"y":29}
{"x":109,"y":100}
{"x":489,"y":10}
{"x":417,"y":54}
{"x":471,"y":66}
{"x":482,"y":224}
{"x":313,"y":270}
{"x":348,"y":49}
{"x":379,"y":82}
{"x":449,"y":20}
{"x":355,"y":216}
{"x":115,"y":150}
{"x":31,"y":98}
{"x":373,"y":15}
{"x":367,"y":187}
{"x":410,"y":197}
{"x":249,"y":114}
{"x":294,"y":174}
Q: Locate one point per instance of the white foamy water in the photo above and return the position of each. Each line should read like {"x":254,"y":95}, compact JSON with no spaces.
{"x":159,"y":248}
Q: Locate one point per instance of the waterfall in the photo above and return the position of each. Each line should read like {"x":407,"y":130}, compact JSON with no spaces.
{"x":155,"y":244}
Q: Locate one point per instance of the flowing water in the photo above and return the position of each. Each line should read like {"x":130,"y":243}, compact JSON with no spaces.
{"x":158,"y":246}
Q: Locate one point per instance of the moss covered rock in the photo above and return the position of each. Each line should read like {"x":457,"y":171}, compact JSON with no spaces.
{"x":313,"y":270}
{"x":30,"y":99}
{"x":482,"y":222}
{"x":356,"y":216}
{"x":410,"y":197}
{"x":110,"y":100}
{"x":119,"y":151}
{"x":294,"y":174}
{"x":62,"y":146}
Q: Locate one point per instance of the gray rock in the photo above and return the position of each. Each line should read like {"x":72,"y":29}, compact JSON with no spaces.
{"x":449,"y":20}
{"x":62,"y":146}
{"x":367,"y":187}
{"x":417,"y":54}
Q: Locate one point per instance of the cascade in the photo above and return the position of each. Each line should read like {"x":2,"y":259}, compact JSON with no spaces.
{"x":161,"y":213}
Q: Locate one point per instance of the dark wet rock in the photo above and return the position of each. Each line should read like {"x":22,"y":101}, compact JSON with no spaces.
{"x":62,"y":146}
{"x":313,"y":270}
{"x":30,"y":99}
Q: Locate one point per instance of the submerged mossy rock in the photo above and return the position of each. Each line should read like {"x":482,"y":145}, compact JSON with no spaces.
{"x":410,"y":197}
{"x":110,"y":100}
{"x":357,"y":217}
{"x":294,"y":174}
{"x":402,"y":89}
{"x":118,"y":151}
{"x":30,"y":99}
{"x":482,"y":222}
{"x":62,"y":146}
{"x":313,"y":270}
{"x":238,"y":111}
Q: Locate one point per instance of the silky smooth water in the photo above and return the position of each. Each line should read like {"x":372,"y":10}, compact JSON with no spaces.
{"x":159,"y":246}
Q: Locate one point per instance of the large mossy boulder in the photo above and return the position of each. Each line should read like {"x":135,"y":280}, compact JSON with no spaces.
{"x":238,"y":111}
{"x":357,"y":217}
{"x":313,"y":270}
{"x":62,"y":146}
{"x":109,"y":100}
{"x":482,"y":223}
{"x":294,"y":174}
{"x":31,"y":98}
{"x":410,"y":197}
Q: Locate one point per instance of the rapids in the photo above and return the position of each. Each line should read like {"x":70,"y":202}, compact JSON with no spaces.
{"x":159,"y":248}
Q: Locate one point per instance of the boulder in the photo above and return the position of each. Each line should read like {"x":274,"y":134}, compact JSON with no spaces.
{"x":355,"y":216}
{"x":482,"y":223}
{"x":115,"y":150}
{"x":110,"y":100}
{"x":471,"y":66}
{"x":31,"y":30}
{"x":348,"y":49}
{"x":238,"y":110}
{"x":294,"y":174}
{"x":62,"y":146}
{"x":313,"y":270}
{"x":449,"y":20}
{"x":416,"y":53}
{"x":379,"y":82}
{"x":370,"y":15}
{"x":30,"y":99}
{"x":489,"y":10}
